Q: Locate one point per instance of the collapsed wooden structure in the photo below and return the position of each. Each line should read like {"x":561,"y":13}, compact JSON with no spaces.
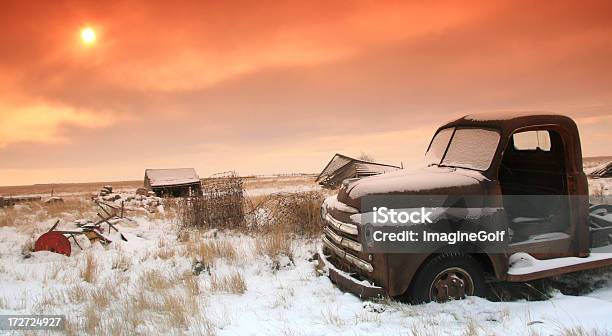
{"x":602,"y":171}
{"x":177,"y":182}
{"x":341,"y":167}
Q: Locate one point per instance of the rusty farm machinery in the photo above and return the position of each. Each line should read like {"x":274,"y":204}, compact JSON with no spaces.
{"x":58,"y":241}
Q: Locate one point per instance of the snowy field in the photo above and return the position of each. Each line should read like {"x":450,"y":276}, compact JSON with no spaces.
{"x":235,"y":283}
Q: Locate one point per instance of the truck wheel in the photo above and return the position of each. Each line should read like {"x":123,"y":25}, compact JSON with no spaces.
{"x":448,"y":277}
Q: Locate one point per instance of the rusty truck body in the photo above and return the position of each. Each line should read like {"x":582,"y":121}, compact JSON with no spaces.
{"x":484,"y":157}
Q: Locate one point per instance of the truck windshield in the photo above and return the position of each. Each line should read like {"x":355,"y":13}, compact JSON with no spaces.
{"x":471,"y":148}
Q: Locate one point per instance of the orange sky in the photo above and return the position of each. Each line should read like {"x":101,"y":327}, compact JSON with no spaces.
{"x":271,"y":87}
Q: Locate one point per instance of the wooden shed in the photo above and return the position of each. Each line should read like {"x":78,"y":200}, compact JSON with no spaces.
{"x":176,"y":182}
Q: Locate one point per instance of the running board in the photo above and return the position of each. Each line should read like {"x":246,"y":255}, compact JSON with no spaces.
{"x":524,"y":267}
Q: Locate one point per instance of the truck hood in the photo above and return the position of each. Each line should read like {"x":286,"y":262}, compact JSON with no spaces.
{"x":424,"y":181}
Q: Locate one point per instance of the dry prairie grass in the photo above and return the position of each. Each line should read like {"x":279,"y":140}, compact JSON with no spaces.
{"x":285,"y":297}
{"x":154,"y":280}
{"x":77,"y":293}
{"x":92,"y":320}
{"x":89,"y":269}
{"x":367,"y":317}
{"x":7,"y":217}
{"x":179,"y":308}
{"x":276,"y":182}
{"x":423,"y":330}
{"x":76,"y":205}
{"x":581,"y":331}
{"x":93,"y":187}
{"x":28,"y":246}
{"x":61,"y":188}
{"x":104,"y":295}
{"x":171,"y":299}
{"x":170,"y":213}
{"x":176,"y":307}
{"x":217,"y":249}
{"x":49,"y":299}
{"x":27,"y":216}
{"x":207,"y":250}
{"x":330,"y":316}
{"x":52,"y":274}
{"x":164,"y":250}
{"x":191,"y":284}
{"x":73,"y":294}
{"x":232,"y":283}
{"x":274,"y":243}
{"x":297,"y":213}
{"x":472,"y":328}
{"x":121,"y":261}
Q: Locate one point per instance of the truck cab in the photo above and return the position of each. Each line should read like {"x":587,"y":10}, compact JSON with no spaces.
{"x":526,"y":165}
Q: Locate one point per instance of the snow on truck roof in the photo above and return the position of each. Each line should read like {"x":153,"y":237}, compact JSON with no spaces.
{"x":175,"y":176}
{"x":509,"y":121}
{"x":505,"y":115}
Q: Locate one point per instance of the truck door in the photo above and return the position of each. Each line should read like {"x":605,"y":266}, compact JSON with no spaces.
{"x":533,"y":181}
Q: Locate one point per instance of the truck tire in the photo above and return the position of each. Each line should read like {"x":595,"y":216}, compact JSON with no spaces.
{"x":448,"y":277}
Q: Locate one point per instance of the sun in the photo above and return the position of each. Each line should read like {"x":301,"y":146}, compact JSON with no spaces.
{"x":88,"y":35}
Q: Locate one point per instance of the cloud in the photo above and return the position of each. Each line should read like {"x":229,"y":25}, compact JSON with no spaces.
{"x":279,"y":86}
{"x":40,"y":122}
{"x":163,"y":46}
{"x":268,"y":35}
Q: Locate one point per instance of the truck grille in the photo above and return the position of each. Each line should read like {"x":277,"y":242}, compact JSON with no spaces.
{"x":341,"y":238}
{"x":340,"y":226}
{"x":361,"y":264}
{"x":343,"y":241}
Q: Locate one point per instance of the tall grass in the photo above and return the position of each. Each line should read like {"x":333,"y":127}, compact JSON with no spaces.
{"x":232,"y":283}
{"x":89,"y":268}
{"x":276,"y":242}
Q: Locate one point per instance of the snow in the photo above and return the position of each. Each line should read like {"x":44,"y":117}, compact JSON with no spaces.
{"x":503,"y":115}
{"x":523,"y":263}
{"x":133,"y":202}
{"x":290,"y":299}
{"x":404,"y":181}
{"x":600,"y":187}
{"x":332,"y":202}
{"x":545,"y":236}
{"x":282,"y":189}
{"x":163,"y":177}
{"x":472,"y":148}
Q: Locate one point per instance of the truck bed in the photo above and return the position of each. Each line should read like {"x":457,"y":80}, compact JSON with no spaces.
{"x":600,"y":221}
{"x":524,"y":267}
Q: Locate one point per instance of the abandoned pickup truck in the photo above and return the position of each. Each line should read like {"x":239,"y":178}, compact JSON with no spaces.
{"x":501,"y":162}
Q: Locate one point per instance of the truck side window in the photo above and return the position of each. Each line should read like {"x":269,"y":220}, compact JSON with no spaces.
{"x":532,"y":140}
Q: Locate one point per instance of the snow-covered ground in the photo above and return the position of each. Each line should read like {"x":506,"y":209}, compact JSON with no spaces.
{"x":223,"y":283}
{"x":282,"y":189}
{"x":281,"y":298}
{"x":600,"y":189}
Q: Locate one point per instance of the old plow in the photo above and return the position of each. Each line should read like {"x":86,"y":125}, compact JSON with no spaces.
{"x":58,"y":241}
